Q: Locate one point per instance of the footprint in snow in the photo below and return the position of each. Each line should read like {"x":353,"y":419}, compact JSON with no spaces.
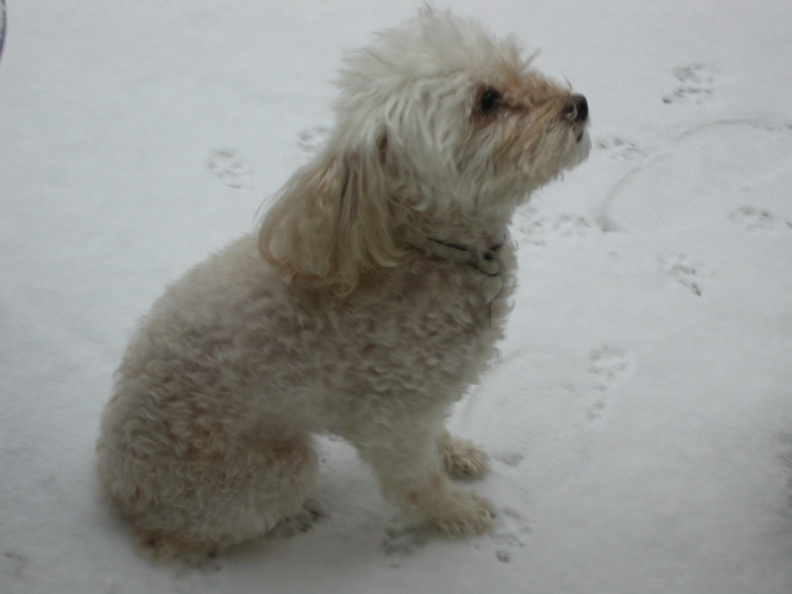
{"x":231,"y":166}
{"x":509,"y":535}
{"x":608,"y":367}
{"x":682,"y":270}
{"x":695,"y":84}
{"x":618,"y":147}
{"x":511,"y":459}
{"x":402,"y":542}
{"x":539,"y":230}
{"x":706,"y":171}
{"x":784,"y":441}
{"x":310,"y":140}
{"x":190,"y":577}
{"x":15,"y":564}
{"x":302,"y":522}
{"x":753,"y":219}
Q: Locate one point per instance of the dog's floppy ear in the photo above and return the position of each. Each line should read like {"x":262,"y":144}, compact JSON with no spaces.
{"x":332,"y":224}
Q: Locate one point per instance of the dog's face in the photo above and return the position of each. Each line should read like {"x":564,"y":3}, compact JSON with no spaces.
{"x":460,"y":119}
{"x":440,"y":128}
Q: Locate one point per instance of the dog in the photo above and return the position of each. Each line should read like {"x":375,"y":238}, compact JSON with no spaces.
{"x":371,"y":297}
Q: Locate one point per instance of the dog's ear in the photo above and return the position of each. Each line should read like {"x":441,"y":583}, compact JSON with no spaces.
{"x":332,"y":224}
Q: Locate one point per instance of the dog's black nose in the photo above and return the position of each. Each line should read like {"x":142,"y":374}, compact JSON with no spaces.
{"x":577,"y":108}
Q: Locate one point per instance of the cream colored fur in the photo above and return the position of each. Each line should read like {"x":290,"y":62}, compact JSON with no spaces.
{"x":329,"y":321}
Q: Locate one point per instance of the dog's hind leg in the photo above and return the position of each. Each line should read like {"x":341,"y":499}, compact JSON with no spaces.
{"x":219,"y":502}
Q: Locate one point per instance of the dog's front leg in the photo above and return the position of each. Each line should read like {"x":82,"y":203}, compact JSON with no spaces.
{"x":412,"y":474}
{"x":462,"y":459}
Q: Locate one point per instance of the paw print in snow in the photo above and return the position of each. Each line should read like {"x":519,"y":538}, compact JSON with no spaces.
{"x":401,"y":542}
{"x":15,"y":564}
{"x":310,"y":140}
{"x":619,"y":148}
{"x":231,"y":166}
{"x":512,"y":459}
{"x":572,"y":226}
{"x":753,"y":219}
{"x":511,"y":534}
{"x":538,"y":231}
{"x":302,"y":522}
{"x":608,"y":366}
{"x":682,"y":270}
{"x":696,"y":84}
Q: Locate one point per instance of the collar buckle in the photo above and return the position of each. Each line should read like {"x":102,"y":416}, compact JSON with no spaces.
{"x":486,"y":261}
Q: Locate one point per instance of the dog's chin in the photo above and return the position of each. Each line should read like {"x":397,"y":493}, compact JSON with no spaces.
{"x":581,"y":150}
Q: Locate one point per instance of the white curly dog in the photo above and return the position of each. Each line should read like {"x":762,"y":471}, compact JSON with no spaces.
{"x":371,"y":298}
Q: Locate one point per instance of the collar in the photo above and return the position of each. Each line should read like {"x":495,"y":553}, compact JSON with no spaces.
{"x":484,"y":261}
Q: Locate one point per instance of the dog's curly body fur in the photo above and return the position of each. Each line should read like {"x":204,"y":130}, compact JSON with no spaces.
{"x":332,"y":319}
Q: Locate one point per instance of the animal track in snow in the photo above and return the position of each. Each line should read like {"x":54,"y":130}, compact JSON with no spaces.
{"x":537,"y":231}
{"x":401,"y":542}
{"x":753,"y":219}
{"x":189,"y":577}
{"x":608,"y":365}
{"x":682,"y":270}
{"x":785,"y":440}
{"x":302,"y":522}
{"x":230,"y":166}
{"x":696,"y":84}
{"x":510,"y":533}
{"x":619,"y":148}
{"x":16,"y":563}
{"x":717,"y":163}
{"x":311,"y":140}
{"x":512,"y":459}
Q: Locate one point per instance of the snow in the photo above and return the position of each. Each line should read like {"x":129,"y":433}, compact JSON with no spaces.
{"x":2,"y":24}
{"x":640,"y":421}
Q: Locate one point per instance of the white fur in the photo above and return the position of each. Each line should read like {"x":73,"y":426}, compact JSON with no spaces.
{"x":329,"y":321}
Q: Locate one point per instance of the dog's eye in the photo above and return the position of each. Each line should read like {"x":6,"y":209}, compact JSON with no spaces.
{"x":490,"y":99}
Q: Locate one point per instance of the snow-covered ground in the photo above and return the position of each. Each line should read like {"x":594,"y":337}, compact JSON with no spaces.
{"x":640,"y":422}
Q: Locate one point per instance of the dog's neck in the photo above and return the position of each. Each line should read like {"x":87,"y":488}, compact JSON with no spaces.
{"x":470,"y":239}
{"x":485,"y":261}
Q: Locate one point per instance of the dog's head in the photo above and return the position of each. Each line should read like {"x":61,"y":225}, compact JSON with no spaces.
{"x":439,"y":126}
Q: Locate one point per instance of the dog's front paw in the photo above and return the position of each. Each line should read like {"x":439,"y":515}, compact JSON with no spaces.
{"x":462,"y":459}
{"x":465,"y":515}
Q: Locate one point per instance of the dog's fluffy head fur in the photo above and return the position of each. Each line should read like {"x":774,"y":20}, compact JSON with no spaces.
{"x":440,"y":128}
